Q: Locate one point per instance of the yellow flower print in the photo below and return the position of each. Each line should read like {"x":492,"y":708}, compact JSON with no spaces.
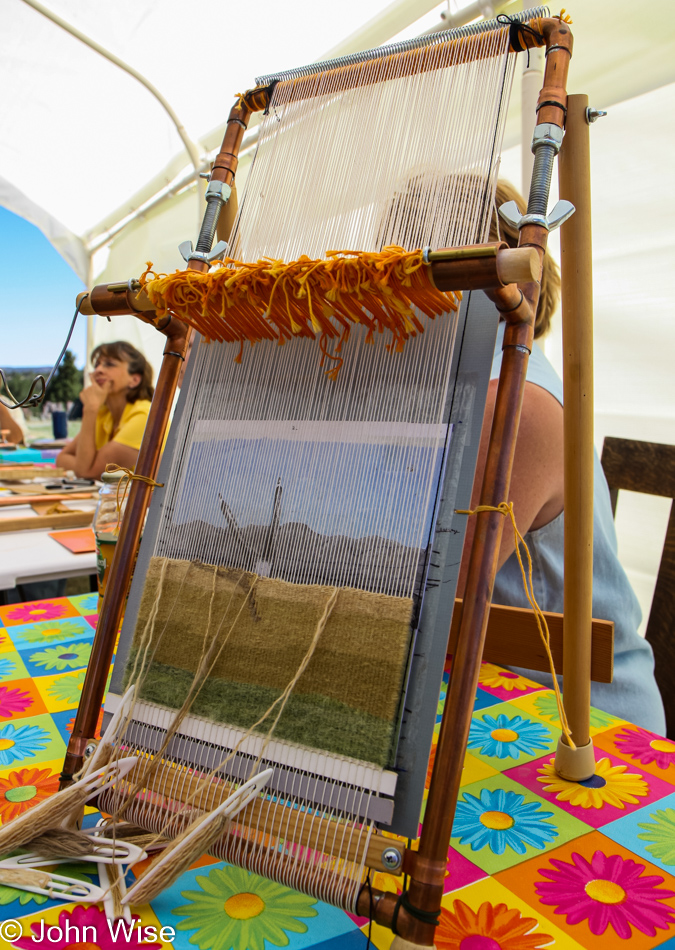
{"x":609,"y":786}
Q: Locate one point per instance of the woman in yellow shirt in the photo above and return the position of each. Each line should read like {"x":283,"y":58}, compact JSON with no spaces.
{"x":115,"y":408}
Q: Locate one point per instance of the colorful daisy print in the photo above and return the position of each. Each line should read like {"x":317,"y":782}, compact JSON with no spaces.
{"x":13,"y":701}
{"x":70,"y":725}
{"x":85,"y":603}
{"x":97,"y":936}
{"x":23,"y":789}
{"x":506,"y":738}
{"x":609,"y":786}
{"x":20,"y":742}
{"x":63,"y":657}
{"x":492,"y":926}
{"x":608,"y":891}
{"x":38,"y":632}
{"x":67,"y":689}
{"x":7,"y":668}
{"x":662,"y":835}
{"x":491,"y":675}
{"x":430,"y":766}
{"x":547,"y":707}
{"x":39,"y":610}
{"x":237,"y":908}
{"x":646,"y":747}
{"x":501,"y":819}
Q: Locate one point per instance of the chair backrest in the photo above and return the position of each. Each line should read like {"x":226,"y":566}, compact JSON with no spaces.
{"x":649,"y":468}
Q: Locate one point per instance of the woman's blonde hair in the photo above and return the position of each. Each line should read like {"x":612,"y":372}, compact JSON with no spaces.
{"x":549,"y":294}
{"x":412,"y":215}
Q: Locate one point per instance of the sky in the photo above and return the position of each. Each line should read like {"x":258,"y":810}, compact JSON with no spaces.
{"x":37,"y":297}
{"x":38,"y":289}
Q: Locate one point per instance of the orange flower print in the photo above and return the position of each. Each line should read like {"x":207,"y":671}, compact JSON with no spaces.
{"x":493,"y":927}
{"x":23,"y":789}
{"x":430,"y":766}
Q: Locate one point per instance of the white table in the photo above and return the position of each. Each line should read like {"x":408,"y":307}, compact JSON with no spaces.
{"x":27,"y":556}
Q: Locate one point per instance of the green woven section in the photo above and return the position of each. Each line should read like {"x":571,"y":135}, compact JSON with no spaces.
{"x":260,"y":630}
{"x":310,"y":720}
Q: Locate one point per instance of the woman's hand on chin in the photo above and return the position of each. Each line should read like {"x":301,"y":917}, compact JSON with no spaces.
{"x":94,"y":396}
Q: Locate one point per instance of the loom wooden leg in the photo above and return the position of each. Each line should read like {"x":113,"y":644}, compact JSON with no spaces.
{"x":577,"y":311}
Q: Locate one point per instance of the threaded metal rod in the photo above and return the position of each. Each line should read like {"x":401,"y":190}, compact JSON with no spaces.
{"x":208,"y":229}
{"x":541,"y":179}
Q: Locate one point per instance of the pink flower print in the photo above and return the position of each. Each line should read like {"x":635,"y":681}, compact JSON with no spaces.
{"x":38,"y":610}
{"x":71,"y":925}
{"x":13,"y":701}
{"x":610,"y":890}
{"x":647,"y":747}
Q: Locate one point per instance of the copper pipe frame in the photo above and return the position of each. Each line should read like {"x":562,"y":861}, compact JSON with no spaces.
{"x":427,"y":866}
{"x":123,"y":300}
{"x":93,"y":689}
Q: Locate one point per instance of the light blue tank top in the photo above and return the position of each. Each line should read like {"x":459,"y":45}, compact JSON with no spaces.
{"x":633,"y":694}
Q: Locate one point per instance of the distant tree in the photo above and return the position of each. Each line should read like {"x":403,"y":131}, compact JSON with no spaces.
{"x":67,"y":383}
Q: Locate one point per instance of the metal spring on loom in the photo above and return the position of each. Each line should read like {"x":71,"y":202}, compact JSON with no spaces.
{"x":541,"y":180}
{"x":209,"y":224}
{"x":403,"y":46}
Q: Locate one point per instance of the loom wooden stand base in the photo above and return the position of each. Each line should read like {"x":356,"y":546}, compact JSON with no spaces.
{"x":577,"y":294}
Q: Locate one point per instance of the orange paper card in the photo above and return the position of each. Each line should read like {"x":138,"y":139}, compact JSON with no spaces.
{"x":79,"y":540}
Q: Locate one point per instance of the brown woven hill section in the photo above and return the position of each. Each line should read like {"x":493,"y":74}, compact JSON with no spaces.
{"x":360,"y":658}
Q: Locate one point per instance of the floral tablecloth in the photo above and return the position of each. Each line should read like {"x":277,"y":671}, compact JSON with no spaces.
{"x":535,"y":861}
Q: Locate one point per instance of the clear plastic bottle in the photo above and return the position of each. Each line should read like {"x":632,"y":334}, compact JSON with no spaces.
{"x":107,"y":521}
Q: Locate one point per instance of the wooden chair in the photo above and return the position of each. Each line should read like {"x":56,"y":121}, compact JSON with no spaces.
{"x":649,"y":467}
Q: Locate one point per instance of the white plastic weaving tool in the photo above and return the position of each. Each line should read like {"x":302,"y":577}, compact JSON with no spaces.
{"x":102,"y":754}
{"x":228,"y":809}
{"x":48,"y":883}
{"x":48,"y":814}
{"x":105,"y":852}
{"x":106,"y":877}
{"x":107,"y":880}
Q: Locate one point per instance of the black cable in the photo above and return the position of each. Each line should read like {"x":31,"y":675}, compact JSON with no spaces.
{"x":511,"y":309}
{"x":552,"y":102}
{"x":517,"y":33}
{"x":370,"y":910}
{"x":426,"y":916}
{"x":34,"y":398}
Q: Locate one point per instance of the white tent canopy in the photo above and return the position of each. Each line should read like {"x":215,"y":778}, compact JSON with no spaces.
{"x":89,"y":156}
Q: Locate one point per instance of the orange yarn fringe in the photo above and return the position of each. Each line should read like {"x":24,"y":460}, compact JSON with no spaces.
{"x":271,"y":300}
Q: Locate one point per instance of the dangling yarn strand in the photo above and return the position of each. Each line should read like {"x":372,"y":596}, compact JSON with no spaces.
{"x":273,"y":300}
{"x":506,"y":508}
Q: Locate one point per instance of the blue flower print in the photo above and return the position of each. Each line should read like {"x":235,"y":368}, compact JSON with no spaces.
{"x":85,"y":603}
{"x":500,"y":818}
{"x":20,"y":743}
{"x":506,"y":738}
{"x":6,"y":668}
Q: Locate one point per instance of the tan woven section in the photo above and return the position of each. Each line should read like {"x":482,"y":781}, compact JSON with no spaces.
{"x":360,"y":658}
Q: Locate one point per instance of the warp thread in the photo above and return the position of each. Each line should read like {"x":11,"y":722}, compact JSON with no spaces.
{"x":280,"y":701}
